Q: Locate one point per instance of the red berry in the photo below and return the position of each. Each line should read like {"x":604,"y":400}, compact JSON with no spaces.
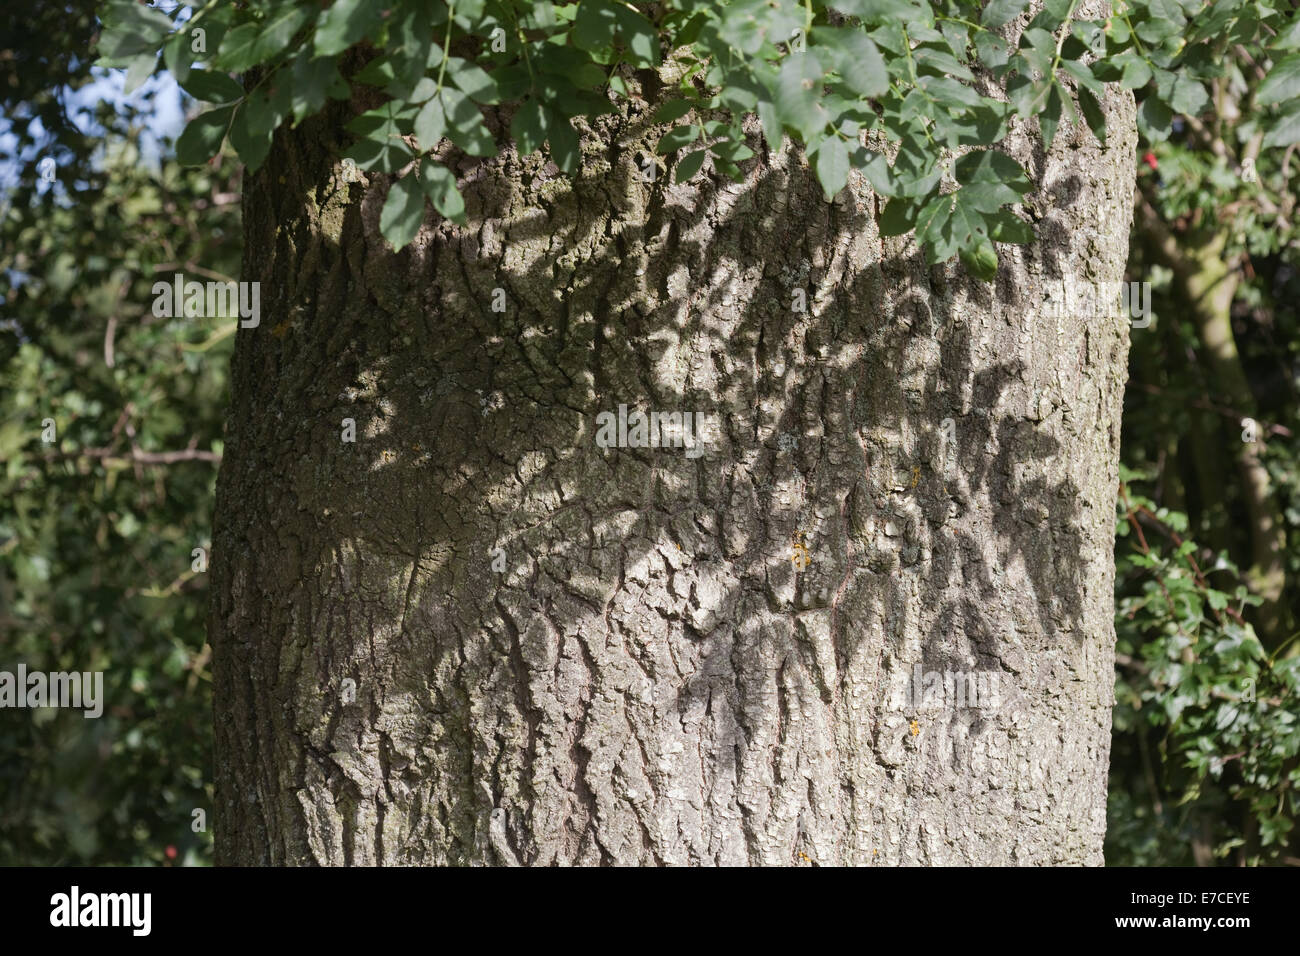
{"x":170,"y":851}
{"x":1150,"y":160}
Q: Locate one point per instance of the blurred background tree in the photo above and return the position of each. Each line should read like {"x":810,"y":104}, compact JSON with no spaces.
{"x":1204,"y":765}
{"x":98,"y":528}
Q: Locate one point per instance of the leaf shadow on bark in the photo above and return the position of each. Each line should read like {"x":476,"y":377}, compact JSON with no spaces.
{"x":652,"y":604}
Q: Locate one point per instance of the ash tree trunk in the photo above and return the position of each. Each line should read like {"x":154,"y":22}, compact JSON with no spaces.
{"x":475,"y":635}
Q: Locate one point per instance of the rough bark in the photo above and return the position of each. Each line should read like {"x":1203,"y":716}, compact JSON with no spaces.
{"x":655,"y":679}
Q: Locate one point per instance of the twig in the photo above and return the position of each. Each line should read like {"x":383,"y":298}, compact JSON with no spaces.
{"x":137,"y":456}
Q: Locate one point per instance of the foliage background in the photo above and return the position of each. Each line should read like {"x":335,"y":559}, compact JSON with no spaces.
{"x":96,"y":538}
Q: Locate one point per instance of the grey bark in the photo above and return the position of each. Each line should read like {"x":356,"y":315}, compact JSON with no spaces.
{"x":656,"y":678}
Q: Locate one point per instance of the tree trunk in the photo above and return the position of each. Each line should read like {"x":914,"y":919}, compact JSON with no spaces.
{"x":692,"y":656}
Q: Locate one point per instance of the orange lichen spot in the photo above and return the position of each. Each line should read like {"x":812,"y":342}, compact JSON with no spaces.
{"x":800,"y":557}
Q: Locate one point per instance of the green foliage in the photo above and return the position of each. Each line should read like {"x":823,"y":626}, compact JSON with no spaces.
{"x":895,"y":89}
{"x":1214,"y":719}
{"x":1215,"y":211}
{"x":96,"y":547}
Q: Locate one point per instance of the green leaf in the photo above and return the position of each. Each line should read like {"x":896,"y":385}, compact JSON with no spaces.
{"x":1154,"y":118}
{"x":1005,"y":227}
{"x":1285,"y":131}
{"x":381,"y":147}
{"x":378,"y":72}
{"x":677,"y":137}
{"x":598,"y":24}
{"x":252,"y":130}
{"x":277,"y":32}
{"x":1050,"y":118}
{"x":376,"y":154}
{"x":876,"y":10}
{"x":1137,"y":72}
{"x":211,"y":87}
{"x":992,"y":166}
{"x":595,"y":25}
{"x":1053,"y":14}
{"x":410,"y":40}
{"x":1038,"y":47}
{"x":749,"y":24}
{"x":931,"y":221}
{"x":832,"y":165}
{"x":1155,"y":31}
{"x":214,"y":29}
{"x":239,"y":49}
{"x":1282,"y":82}
{"x":1093,"y":115}
{"x":1164,"y":80}
{"x":1082,"y":75}
{"x":145,"y":20}
{"x":672,"y":110}
{"x":528,"y":127}
{"x":981,"y":259}
{"x":138,"y":70}
{"x":1028,"y":97}
{"x":992,"y":49}
{"x":430,"y":124}
{"x":878,"y":173}
{"x":202,"y":137}
{"x":439,"y":185}
{"x":345,"y":23}
{"x":955,"y":96}
{"x":465,"y":124}
{"x":1189,"y":96}
{"x":1001,"y":12}
{"x":638,"y":35}
{"x":860,"y":64}
{"x":690,"y":164}
{"x":312,"y":81}
{"x":423,"y":90}
{"x":987,"y":197}
{"x":1288,"y":39}
{"x":773,"y":131}
{"x":177,"y":56}
{"x":130,"y":30}
{"x":940,"y":63}
{"x":403,"y":212}
{"x":562,"y":139}
{"x":473,"y":81}
{"x":798,"y":89}
{"x":1168,"y":11}
{"x":898,"y":218}
{"x":733,"y":150}
{"x":382,"y":120}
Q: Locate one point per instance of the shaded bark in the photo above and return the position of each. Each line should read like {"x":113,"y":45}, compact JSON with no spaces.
{"x":658,"y":677}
